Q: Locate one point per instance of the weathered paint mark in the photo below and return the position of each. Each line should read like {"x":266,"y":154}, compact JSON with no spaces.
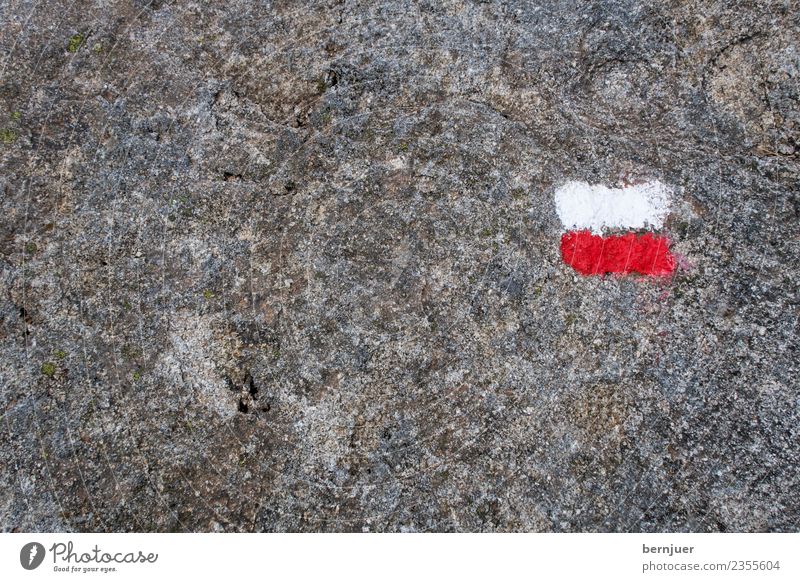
{"x":582,"y":206}
{"x":592,"y":254}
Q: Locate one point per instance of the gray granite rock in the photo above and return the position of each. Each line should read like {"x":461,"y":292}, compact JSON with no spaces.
{"x":295,"y":266}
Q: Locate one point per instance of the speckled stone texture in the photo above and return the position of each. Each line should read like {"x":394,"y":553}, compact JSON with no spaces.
{"x":295,"y":266}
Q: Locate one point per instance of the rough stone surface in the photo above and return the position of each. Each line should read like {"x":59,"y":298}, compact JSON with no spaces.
{"x":295,"y":266}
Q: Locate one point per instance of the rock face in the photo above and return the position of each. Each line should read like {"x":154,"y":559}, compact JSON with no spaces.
{"x":295,"y":266}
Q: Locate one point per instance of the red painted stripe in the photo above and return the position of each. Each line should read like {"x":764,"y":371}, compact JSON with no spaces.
{"x":591,"y":254}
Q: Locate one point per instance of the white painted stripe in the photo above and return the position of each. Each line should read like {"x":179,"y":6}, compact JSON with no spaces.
{"x":583,"y":206}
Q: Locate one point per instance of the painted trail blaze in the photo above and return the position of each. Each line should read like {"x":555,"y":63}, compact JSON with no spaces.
{"x":589,"y":212}
{"x":592,"y":254}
